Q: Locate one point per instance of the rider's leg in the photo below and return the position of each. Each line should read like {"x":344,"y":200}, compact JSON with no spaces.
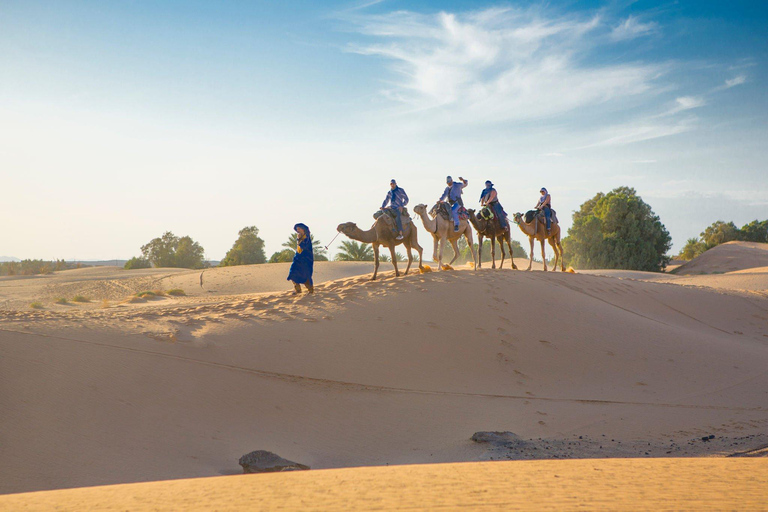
{"x":455,"y":215}
{"x":548,"y":215}
{"x":499,"y":211}
{"x":399,"y":222}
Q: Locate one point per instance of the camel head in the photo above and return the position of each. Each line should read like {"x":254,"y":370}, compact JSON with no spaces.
{"x":346,"y":228}
{"x":518,"y":217}
{"x":420,"y":209}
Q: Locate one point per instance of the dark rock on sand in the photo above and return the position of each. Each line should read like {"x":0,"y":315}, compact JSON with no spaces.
{"x":262,"y":461}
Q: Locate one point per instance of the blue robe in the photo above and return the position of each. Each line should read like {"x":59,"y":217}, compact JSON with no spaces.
{"x":303,"y":262}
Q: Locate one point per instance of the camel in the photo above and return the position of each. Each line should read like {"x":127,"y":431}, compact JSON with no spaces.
{"x":538,"y":230}
{"x":491,"y":229}
{"x":381,"y":233}
{"x":442,"y":231}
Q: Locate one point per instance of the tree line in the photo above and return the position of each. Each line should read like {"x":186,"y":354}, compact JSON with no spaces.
{"x":720,"y":232}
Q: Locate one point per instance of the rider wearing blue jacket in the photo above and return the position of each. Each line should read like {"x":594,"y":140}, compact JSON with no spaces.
{"x":453,"y":193}
{"x":397,"y":199}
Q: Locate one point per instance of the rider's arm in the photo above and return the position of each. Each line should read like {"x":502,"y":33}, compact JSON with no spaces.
{"x":386,"y":200}
{"x":491,"y":197}
{"x":546,"y":201}
{"x":445,"y":194}
{"x":405,"y":196}
{"x":464,"y":182}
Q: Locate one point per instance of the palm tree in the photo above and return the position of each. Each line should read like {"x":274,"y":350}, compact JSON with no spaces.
{"x":353,"y":251}
{"x":317,"y":248}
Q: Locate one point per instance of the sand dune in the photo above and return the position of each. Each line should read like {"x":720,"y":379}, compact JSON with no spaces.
{"x":728,"y":257}
{"x":399,"y":371}
{"x":655,"y":484}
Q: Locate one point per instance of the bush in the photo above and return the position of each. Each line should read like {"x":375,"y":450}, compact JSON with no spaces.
{"x":80,"y":298}
{"x":146,"y":294}
{"x":177,"y":292}
{"x":284,"y":256}
{"x":172,"y":251}
{"x":137,"y":263}
{"x":247,"y":249}
{"x":693,"y":247}
{"x":617,"y":230}
{"x":61,"y":300}
{"x":36,"y":305}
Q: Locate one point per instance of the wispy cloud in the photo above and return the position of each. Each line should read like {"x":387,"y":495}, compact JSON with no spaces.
{"x":735,"y":81}
{"x":632,"y":28}
{"x":500,"y":64}
{"x":639,"y":131}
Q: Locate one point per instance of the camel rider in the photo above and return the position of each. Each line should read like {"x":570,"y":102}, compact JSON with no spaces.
{"x":397,"y":199}
{"x":490,"y":198}
{"x":453,"y":194}
{"x":545,"y":205}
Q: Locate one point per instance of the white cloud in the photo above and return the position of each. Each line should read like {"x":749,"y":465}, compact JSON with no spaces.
{"x":639,"y":131}
{"x":498,"y":65}
{"x":631,"y":28}
{"x":735,"y":81}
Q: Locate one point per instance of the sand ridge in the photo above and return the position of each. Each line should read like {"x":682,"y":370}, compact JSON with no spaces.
{"x":618,"y":484}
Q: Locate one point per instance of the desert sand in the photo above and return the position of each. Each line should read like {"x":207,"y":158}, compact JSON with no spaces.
{"x":591,"y":365}
{"x":653,"y":484}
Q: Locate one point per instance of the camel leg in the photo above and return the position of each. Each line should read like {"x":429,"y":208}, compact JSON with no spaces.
{"x":501,"y":246}
{"x":562,"y":259}
{"x":480,"y":249}
{"x":530,"y":254}
{"x":394,"y":259}
{"x":493,"y":251}
{"x":455,"y":246}
{"x":511,"y":254}
{"x":407,"y":245}
{"x":543,"y":255}
{"x":375,"y":261}
{"x":471,"y":243}
{"x":435,"y":256}
{"x":440,"y":253}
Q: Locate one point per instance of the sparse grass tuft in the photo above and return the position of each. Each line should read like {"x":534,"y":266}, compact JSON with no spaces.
{"x":159,"y":293}
{"x":61,"y":300}
{"x":177,"y":292}
{"x":36,"y":305}
{"x":80,"y":298}
{"x":134,"y":300}
{"x":148,"y":294}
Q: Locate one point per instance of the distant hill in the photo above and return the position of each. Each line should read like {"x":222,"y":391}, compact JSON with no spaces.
{"x":8,"y":258}
{"x":728,"y":257}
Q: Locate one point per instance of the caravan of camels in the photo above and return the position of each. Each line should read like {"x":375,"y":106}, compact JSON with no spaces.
{"x":449,"y":221}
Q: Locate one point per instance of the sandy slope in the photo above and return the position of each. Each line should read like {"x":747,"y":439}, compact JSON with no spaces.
{"x":655,"y":484}
{"x":403,"y":370}
{"x":727,"y":257}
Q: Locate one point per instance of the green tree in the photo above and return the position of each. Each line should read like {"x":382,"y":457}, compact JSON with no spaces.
{"x":755,"y":231}
{"x":693,"y":248}
{"x":137,"y":263}
{"x":617,"y":230}
{"x":318,"y":251}
{"x":247,"y":249}
{"x":284,"y":256}
{"x":353,"y":251}
{"x":172,"y":251}
{"x":719,"y":233}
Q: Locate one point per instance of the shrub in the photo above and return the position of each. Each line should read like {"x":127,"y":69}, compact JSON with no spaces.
{"x":177,"y":292}
{"x":148,"y":294}
{"x":284,"y":256}
{"x":80,"y":298}
{"x":136,"y":263}
{"x":61,"y":300}
{"x":36,"y":305}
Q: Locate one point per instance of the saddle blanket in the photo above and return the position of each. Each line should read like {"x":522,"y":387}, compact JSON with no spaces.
{"x":532,"y":214}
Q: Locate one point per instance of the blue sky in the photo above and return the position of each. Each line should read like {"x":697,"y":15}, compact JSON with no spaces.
{"x":121,"y":120}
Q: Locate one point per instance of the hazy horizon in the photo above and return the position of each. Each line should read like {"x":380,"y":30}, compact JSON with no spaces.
{"x":123,"y":121}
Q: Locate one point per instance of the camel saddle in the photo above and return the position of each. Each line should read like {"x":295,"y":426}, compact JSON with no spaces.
{"x":444,"y":210}
{"x":531,"y":215}
{"x":390,"y":217}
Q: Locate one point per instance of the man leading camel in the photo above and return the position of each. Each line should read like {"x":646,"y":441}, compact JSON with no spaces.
{"x":397,"y":199}
{"x":453,"y":193}
{"x":490,"y":198}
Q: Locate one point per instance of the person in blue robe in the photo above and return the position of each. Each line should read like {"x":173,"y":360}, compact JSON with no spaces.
{"x":303,"y":261}
{"x":397,"y":200}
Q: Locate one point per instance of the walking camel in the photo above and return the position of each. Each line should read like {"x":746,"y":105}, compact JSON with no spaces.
{"x":538,"y":229}
{"x":491,"y":229}
{"x":442,"y":230}
{"x":381,"y":233}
